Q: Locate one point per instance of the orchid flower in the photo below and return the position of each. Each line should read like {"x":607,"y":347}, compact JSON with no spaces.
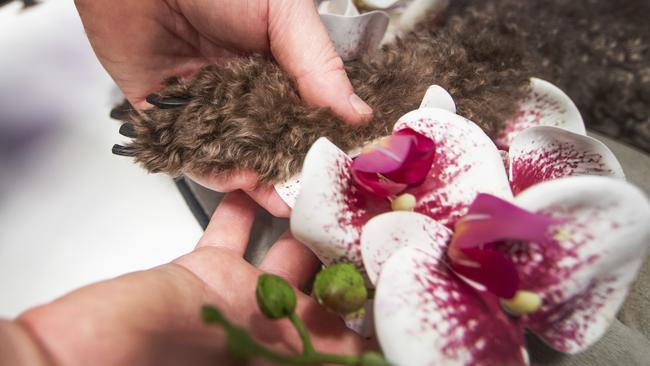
{"x":569,"y":282}
{"x":553,"y":250}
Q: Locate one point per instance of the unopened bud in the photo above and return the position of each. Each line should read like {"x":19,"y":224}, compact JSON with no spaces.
{"x":275,"y":297}
{"x":341,"y":288}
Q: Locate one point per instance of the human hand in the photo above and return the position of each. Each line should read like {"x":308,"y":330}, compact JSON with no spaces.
{"x":153,"y":317}
{"x":140,"y":43}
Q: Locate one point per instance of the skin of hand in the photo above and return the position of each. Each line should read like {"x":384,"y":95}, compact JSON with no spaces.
{"x":140,"y":43}
{"x":153,"y":317}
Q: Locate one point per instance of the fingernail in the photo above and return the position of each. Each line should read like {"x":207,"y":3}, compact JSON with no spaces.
{"x":359,"y":105}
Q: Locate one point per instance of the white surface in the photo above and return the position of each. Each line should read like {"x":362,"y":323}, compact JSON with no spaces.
{"x":73,"y":213}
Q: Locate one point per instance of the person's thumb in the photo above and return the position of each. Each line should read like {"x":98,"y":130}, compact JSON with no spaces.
{"x":301,"y":45}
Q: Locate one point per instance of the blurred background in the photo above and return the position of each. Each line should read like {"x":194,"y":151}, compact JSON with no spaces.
{"x":71,"y":213}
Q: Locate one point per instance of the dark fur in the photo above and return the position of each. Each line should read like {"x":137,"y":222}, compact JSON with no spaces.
{"x":248,"y":115}
{"x":597,"y":51}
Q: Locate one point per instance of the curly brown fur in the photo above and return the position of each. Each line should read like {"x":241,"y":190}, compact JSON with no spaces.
{"x":598,"y":51}
{"x":248,"y":115}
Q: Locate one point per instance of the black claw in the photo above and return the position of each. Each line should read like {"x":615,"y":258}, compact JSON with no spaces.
{"x":128,"y":130}
{"x":122,"y":150}
{"x":167,"y":102}
{"x":122,"y":111}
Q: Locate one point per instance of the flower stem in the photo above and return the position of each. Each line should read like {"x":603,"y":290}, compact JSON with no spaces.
{"x":307,"y":347}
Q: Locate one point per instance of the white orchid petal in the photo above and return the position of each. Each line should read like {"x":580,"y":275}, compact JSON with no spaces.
{"x":357,"y":35}
{"x":583,"y":275}
{"x":466,"y":163}
{"x":545,"y":153}
{"x":545,"y":105}
{"x":384,"y":234}
{"x":437,"y":97}
{"x":378,"y":4}
{"x":289,"y":190}
{"x":329,"y":211}
{"x":424,"y":315}
{"x":419,"y":10}
{"x":338,"y":7}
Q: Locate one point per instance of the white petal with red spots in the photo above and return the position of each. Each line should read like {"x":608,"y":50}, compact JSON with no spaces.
{"x":425,"y":316}
{"x":466,"y":163}
{"x":385,"y":234}
{"x":584,"y":274}
{"x":545,"y":105}
{"x":545,"y":153}
{"x":330,"y":211}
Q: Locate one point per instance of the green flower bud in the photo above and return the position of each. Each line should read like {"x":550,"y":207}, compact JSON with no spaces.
{"x":275,"y":297}
{"x":341,"y":288}
{"x":373,"y":359}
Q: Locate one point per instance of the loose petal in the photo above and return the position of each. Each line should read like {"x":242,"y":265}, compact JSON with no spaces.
{"x":466,"y":163}
{"x":330,"y":210}
{"x":353,"y":34}
{"x":545,"y":105}
{"x":583,"y":275}
{"x":425,"y":315}
{"x":544,"y":153}
{"x":385,"y":234}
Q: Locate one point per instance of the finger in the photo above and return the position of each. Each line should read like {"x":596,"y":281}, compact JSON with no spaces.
{"x":245,"y":180}
{"x":231,"y":223}
{"x":268,"y":198}
{"x":301,"y":45}
{"x":291,"y":260}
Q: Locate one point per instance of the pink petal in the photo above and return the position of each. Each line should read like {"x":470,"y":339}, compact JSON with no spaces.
{"x":491,"y":219}
{"x":383,"y":235}
{"x":490,"y":268}
{"x":544,"y":153}
{"x":289,"y":190}
{"x":388,"y":156}
{"x":425,"y":315}
{"x":377,"y":185}
{"x":466,"y":163}
{"x":584,"y":274}
{"x":330,"y":210}
{"x":545,"y":105}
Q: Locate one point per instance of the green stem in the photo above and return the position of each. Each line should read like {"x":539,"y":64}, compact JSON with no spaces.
{"x":307,"y":347}
{"x":310,"y":359}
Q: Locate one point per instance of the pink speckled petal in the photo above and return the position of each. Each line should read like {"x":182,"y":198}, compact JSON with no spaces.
{"x":545,"y":105}
{"x":584,"y":274}
{"x":466,"y":163}
{"x":330,"y":210}
{"x":388,"y":232}
{"x":288,"y":190}
{"x":425,"y":315}
{"x":545,"y":153}
{"x":353,"y":35}
{"x":437,"y":97}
